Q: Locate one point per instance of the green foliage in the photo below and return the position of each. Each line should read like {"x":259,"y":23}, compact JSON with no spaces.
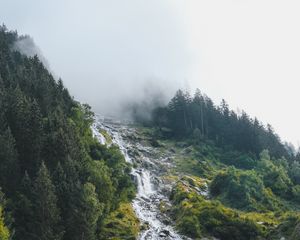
{"x":243,"y":190}
{"x":45,"y":215}
{"x":106,"y":136}
{"x":9,"y":171}
{"x":60,"y":183}
{"x":288,"y":228}
{"x":274,"y":176}
{"x":198,"y":118}
{"x":198,"y":217}
{"x":92,"y":210}
{"x":121,"y":224}
{"x":296,"y":192}
{"x":23,"y":210}
{"x":239,"y":160}
{"x":99,"y":175}
{"x":294,"y":172}
{"x":4,"y":232}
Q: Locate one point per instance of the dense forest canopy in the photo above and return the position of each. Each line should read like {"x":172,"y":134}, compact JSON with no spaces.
{"x":57,"y":181}
{"x":198,"y":116}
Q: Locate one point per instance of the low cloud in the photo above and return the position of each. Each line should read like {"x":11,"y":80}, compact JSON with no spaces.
{"x":26,"y":45}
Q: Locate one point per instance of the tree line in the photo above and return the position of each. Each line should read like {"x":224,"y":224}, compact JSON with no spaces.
{"x":198,"y":116}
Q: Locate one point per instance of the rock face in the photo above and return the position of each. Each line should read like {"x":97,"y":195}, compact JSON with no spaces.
{"x":149,"y":166}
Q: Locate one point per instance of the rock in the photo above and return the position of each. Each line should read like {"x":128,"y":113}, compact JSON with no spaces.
{"x":145,"y":226}
{"x":172,"y":150}
{"x":164,"y":233}
{"x":167,"y":221}
{"x":134,"y":153}
{"x":154,"y":143}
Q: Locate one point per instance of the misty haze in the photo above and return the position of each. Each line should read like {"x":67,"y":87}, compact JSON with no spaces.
{"x":149,"y":120}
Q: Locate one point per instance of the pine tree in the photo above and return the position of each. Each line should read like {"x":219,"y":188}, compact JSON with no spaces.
{"x":23,"y":213}
{"x":86,"y":211}
{"x":9,"y":171}
{"x":46,"y":213}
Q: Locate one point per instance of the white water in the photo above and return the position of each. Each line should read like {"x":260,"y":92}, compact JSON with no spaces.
{"x":149,"y":193}
{"x":97,"y":134}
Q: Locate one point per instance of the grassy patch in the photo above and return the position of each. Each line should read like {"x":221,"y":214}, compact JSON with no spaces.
{"x":106,"y":136}
{"x":198,"y":217}
{"x":121,"y":224}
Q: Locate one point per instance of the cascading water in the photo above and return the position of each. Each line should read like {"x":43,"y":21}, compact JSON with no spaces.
{"x":149,"y":193}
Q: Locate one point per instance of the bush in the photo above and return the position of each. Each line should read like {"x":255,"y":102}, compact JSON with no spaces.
{"x":274,"y":176}
{"x":242,"y":190}
{"x":198,"y":217}
{"x":296,"y":192}
{"x":239,"y":160}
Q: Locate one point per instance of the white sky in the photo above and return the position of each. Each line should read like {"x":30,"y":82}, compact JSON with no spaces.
{"x":245,"y":51}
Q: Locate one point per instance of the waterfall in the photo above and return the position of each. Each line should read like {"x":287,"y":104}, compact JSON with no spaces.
{"x":146,"y":203}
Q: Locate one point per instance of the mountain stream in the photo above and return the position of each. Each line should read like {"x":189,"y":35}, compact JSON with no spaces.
{"x":147,"y":171}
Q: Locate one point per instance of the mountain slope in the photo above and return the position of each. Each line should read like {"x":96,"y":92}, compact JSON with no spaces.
{"x":58,"y":181}
{"x":252,"y":177}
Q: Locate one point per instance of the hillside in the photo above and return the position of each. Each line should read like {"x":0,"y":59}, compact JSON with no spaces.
{"x":57,"y":181}
{"x":252,"y":178}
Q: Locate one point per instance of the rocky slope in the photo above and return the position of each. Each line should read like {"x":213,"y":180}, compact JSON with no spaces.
{"x":150,"y":166}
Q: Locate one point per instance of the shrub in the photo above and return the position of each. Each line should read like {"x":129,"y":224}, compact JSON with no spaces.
{"x":242,"y":190}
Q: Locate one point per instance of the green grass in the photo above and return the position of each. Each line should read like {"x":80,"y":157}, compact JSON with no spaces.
{"x":197,"y":216}
{"x":121,"y":224}
{"x":106,"y":136}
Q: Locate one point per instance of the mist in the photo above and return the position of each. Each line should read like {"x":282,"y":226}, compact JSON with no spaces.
{"x":110,"y":53}
{"x":26,"y":45}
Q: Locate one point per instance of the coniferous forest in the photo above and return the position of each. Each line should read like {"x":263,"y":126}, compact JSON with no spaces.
{"x":186,"y":116}
{"x":57,"y":181}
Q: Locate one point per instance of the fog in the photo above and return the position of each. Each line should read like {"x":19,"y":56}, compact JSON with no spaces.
{"x":109,"y":53}
{"x":26,"y":45}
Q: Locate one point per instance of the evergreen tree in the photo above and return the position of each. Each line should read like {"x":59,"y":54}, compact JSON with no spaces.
{"x":45,"y":211}
{"x":23,"y":213}
{"x":86,"y":210}
{"x":9,"y":171}
{"x":40,"y":121}
{"x":226,"y":128}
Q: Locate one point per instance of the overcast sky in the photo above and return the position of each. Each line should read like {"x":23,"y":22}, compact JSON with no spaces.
{"x":245,"y":51}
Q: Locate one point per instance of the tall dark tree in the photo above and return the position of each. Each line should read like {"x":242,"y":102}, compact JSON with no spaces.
{"x":85,"y":213}
{"x":9,"y":171}
{"x":23,"y":211}
{"x":227,"y":128}
{"x":46,"y":214}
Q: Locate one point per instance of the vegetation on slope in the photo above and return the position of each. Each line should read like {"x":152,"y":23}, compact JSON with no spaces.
{"x":253,"y":178}
{"x":58,"y":181}
{"x":198,"y":117}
